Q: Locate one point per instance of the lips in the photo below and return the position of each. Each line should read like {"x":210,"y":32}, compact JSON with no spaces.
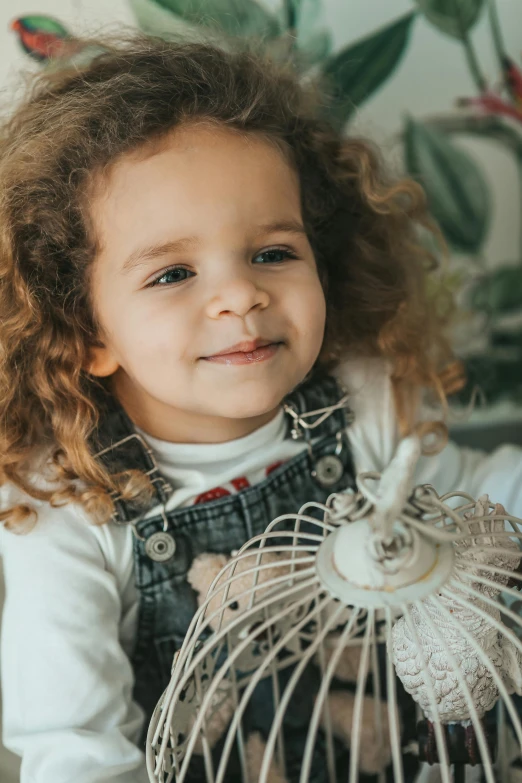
{"x":259,"y":355}
{"x":246,"y":346}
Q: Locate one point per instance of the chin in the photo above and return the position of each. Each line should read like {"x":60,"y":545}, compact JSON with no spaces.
{"x":248,"y":411}
{"x":249,"y":404}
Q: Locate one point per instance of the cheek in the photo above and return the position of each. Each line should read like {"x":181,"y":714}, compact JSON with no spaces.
{"x":309,"y":305}
{"x":168,"y":320}
{"x":144,"y":331}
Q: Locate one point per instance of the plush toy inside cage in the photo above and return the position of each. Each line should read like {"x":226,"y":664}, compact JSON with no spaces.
{"x":351,"y":642}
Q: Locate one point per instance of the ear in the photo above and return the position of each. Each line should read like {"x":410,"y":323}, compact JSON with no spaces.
{"x":100,"y":362}
{"x":203,"y":570}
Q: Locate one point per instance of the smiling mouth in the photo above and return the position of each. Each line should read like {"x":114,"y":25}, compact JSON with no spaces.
{"x":261,"y":354}
{"x":244,"y":346}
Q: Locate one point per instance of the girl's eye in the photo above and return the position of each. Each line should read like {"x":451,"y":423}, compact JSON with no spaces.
{"x":274,"y":256}
{"x":172,"y":271}
{"x":276,"y":251}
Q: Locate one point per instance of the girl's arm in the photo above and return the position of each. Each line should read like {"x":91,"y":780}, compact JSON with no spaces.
{"x":374,"y":436}
{"x":66,"y":680}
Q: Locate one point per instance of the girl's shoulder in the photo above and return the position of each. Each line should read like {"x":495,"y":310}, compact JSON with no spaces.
{"x":363,"y":375}
{"x":373,"y":433}
{"x":60,"y":533}
{"x":368,"y":383}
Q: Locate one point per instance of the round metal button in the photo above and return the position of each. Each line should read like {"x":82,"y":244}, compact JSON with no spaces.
{"x":329,"y":470}
{"x":160,"y":547}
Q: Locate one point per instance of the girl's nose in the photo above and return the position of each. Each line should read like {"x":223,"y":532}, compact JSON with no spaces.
{"x":237,"y":296}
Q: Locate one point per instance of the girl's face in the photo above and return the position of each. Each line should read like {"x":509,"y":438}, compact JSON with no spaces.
{"x":202,"y":246}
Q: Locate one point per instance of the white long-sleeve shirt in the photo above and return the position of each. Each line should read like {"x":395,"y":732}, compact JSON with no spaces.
{"x":70,"y":614}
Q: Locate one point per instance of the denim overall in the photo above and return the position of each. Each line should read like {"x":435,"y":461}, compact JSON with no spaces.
{"x":166,"y":544}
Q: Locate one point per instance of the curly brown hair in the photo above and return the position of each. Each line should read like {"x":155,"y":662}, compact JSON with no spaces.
{"x":74,"y":123}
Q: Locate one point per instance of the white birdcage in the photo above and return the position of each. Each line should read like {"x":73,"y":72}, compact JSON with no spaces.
{"x":395,"y":587}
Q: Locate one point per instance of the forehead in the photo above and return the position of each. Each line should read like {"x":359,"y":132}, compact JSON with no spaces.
{"x":202,"y":142}
{"x":197,"y":178}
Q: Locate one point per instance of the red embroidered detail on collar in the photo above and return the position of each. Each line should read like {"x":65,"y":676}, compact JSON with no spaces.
{"x":212,"y":494}
{"x":273,"y":466}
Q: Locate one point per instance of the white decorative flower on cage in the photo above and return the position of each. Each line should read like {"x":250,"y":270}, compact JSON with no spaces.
{"x":391,"y":576}
{"x":501,"y":652}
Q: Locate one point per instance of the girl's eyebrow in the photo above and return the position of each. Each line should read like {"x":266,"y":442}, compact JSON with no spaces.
{"x":142,"y":255}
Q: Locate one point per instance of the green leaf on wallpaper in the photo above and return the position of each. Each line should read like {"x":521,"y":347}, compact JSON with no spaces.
{"x":453,"y":17}
{"x":304,"y":15}
{"x":153,"y":19}
{"x":357,"y":71}
{"x":313,"y":40}
{"x":233,"y":17}
{"x":510,"y":339}
{"x":500,"y":291}
{"x":498,"y":377}
{"x":458,"y":195}
{"x":316,"y":48}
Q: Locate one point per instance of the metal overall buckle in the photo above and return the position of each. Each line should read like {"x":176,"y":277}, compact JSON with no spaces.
{"x":326,"y":470}
{"x":159,"y":546}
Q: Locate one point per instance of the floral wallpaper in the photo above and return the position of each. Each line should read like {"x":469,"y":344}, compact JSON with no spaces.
{"x":438,"y":83}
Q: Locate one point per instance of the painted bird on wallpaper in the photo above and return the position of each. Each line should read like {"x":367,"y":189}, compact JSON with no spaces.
{"x":42,"y":37}
{"x":46,"y":39}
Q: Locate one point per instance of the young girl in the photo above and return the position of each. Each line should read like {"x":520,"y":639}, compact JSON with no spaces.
{"x":191,"y":256}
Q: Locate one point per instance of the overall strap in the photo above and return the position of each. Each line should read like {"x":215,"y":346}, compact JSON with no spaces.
{"x":119,"y":447}
{"x":318,"y":407}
